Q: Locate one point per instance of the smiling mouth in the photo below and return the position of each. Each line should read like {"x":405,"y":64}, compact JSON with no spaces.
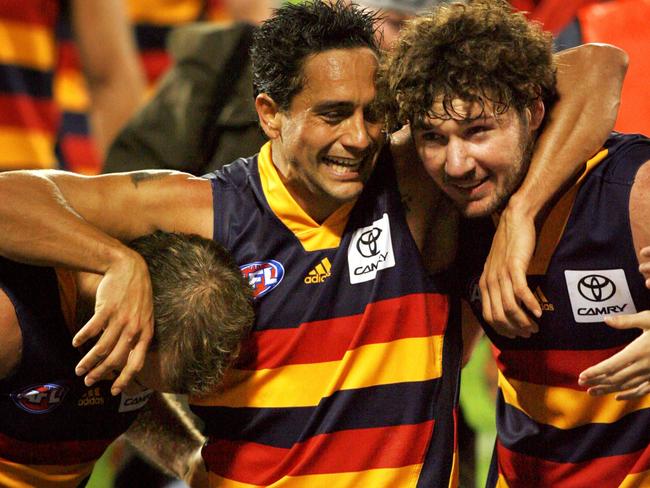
{"x":343,"y":166}
{"x":469,"y":185}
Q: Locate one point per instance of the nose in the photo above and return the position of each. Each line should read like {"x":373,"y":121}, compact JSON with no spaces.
{"x":358,"y":133}
{"x":459,"y":164}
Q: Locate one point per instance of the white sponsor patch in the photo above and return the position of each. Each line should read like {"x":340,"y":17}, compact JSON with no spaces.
{"x":128,"y":403}
{"x":370,"y":250}
{"x":598,"y":293}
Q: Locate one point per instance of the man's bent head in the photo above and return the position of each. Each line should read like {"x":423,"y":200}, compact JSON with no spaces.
{"x":202,"y":311}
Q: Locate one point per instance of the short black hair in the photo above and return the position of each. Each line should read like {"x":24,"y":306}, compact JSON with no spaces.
{"x":283,"y":42}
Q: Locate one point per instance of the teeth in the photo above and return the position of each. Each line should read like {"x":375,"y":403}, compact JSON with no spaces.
{"x":343,"y":165}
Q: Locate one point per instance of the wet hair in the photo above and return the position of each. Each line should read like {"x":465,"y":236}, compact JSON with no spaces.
{"x":282,"y":44}
{"x":202,"y":308}
{"x":481,"y":52}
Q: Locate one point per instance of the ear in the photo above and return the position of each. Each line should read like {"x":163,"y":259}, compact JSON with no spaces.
{"x":537,"y":112}
{"x":269,"y":115}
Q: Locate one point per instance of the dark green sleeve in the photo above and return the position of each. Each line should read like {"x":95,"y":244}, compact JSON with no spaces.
{"x":168,"y":132}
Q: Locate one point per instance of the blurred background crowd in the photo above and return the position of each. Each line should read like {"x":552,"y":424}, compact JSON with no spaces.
{"x":95,"y":86}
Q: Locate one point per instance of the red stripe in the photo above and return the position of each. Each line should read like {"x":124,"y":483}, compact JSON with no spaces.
{"x":418,"y":315}
{"x":551,"y":368}
{"x":68,"y":56}
{"x":55,"y":452}
{"x":344,"y":451}
{"x":642,"y":463}
{"x":23,"y":111}
{"x":40,"y":12}
{"x":525,"y":471}
{"x":155,"y":62}
{"x":80,"y":155}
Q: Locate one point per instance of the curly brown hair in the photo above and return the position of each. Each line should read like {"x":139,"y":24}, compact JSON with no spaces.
{"x":480,"y":52}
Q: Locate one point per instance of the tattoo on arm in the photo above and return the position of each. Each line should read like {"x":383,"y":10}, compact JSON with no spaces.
{"x":141,"y":176}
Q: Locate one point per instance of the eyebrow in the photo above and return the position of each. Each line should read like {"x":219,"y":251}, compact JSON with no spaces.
{"x":324,"y":106}
{"x":425,"y":125}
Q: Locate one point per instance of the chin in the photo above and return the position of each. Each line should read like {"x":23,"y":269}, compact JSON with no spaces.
{"x":479,"y":209}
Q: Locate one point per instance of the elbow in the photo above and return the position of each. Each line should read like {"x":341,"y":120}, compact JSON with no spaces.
{"x":607,"y":59}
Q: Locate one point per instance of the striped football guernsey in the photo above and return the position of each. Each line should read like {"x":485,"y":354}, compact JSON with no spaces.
{"x":551,"y":432}
{"x":28,"y":117}
{"x":349,"y":378}
{"x":52,"y":427}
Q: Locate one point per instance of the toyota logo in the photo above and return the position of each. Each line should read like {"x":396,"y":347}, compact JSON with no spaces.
{"x":367,"y":243}
{"x":596,"y":288}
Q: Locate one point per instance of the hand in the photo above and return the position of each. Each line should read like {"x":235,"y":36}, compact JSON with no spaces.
{"x":124,"y":316}
{"x":644,"y":268}
{"x":627,"y":371}
{"x":504,"y":289}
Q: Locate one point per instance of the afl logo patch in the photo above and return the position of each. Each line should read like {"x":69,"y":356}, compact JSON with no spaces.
{"x":40,"y":398}
{"x":263,"y":276}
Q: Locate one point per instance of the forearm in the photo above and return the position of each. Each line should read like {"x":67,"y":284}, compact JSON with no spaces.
{"x":111,"y":64}
{"x":589,"y":83}
{"x":39,"y":227}
{"x":166,"y":436}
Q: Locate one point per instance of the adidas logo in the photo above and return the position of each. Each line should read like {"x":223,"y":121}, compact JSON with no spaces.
{"x":543,"y":301}
{"x":91,"y":397}
{"x":320,"y":272}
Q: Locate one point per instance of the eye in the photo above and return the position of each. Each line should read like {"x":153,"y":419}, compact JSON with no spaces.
{"x":334,"y":116}
{"x":432,"y":138}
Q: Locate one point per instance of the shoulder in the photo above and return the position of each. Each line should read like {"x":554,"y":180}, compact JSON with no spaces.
{"x":205,"y":41}
{"x":11,"y":343}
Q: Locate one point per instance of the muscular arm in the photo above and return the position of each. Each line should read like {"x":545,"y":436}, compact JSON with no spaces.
{"x":629,"y":370}
{"x":589,"y":82}
{"x":167,"y":437}
{"x":111,"y":65}
{"x":62,"y":219}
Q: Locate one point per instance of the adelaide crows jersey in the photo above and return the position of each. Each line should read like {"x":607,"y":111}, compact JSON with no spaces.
{"x":551,"y":432}
{"x":52,"y":427}
{"x":349,"y":377}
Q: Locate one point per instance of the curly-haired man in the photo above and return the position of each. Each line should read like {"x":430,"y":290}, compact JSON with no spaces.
{"x":475,"y":82}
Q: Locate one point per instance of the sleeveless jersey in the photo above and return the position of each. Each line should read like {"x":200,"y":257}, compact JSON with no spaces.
{"x":350,"y":375}
{"x":52,"y":427}
{"x":550,"y":431}
{"x":28,"y":116}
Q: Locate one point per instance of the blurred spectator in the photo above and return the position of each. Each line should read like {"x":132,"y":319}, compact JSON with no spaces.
{"x":202,"y":115}
{"x":152,"y":20}
{"x":29,"y":117}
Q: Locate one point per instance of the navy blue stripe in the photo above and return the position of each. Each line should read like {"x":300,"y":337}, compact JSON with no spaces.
{"x":149,"y":36}
{"x":377,"y":406}
{"x":73,"y":123}
{"x":439,"y":460}
{"x":25,"y":81}
{"x":629,"y":434}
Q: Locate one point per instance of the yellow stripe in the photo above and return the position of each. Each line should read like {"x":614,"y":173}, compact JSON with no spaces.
{"x":25,"y":149}
{"x":294,"y":385}
{"x":501,"y":482}
{"x":403,"y":477}
{"x":566,"y":408}
{"x":636,"y":480}
{"x":454,"y":480}
{"x":70,"y":91}
{"x":327,"y":264}
{"x":163,"y":12}
{"x":27,"y":45}
{"x":312,"y":236}
{"x":13,"y":475}
{"x":593,"y":162}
